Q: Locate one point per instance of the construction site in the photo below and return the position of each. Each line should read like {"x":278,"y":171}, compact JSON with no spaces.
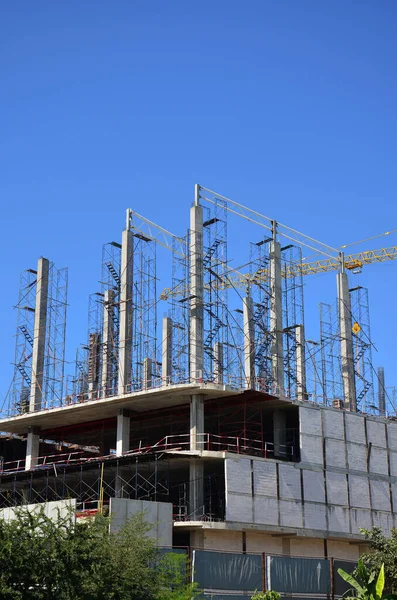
{"x":207,"y":394}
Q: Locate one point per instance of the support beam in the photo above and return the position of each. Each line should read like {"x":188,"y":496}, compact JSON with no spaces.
{"x":125,"y":336}
{"x":32,"y":448}
{"x":279,"y":433}
{"x":276,"y":315}
{"x":147,"y":373}
{"x":196,"y":465}
{"x":196,"y":292}
{"x":301,"y":391}
{"x":123,"y":432}
{"x":39,"y":335}
{"x":381,"y":391}
{"x":249,"y":346}
{"x":196,"y":352}
{"x":218,"y":363}
{"x":108,"y":345}
{"x":94,"y":347}
{"x":346,"y":342}
{"x":166,"y":350}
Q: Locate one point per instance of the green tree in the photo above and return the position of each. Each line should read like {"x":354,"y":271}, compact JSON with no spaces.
{"x":55,"y":559}
{"x":369,"y":585}
{"x":268,"y":595}
{"x":383,"y":551}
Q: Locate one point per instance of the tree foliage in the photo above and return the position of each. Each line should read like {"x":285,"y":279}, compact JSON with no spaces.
{"x":55,"y":559}
{"x":383,"y":551}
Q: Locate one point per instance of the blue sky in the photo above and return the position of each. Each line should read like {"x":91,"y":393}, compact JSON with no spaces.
{"x":288,"y":107}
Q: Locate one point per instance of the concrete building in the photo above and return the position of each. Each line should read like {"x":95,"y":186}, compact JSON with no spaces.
{"x":219,"y":419}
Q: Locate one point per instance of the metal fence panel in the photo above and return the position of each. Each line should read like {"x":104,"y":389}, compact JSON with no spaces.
{"x":227,"y":571}
{"x":298,"y":575}
{"x":340,"y":586}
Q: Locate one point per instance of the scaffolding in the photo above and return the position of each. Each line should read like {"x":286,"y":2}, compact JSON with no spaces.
{"x":362,"y":347}
{"x":52,"y":389}
{"x":330,"y":354}
{"x":292,"y":292}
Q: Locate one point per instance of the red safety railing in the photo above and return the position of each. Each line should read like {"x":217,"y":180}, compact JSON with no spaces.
{"x":181,"y":442}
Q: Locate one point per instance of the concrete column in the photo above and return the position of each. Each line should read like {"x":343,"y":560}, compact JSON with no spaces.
{"x":249,"y":346}
{"x":301,"y":392}
{"x":276,"y":314}
{"x":32,"y":448}
{"x":39,"y":335}
{"x":123,"y":432}
{"x":196,"y":291}
{"x":381,"y":391}
{"x":166,"y":350}
{"x":196,"y":350}
{"x":94,"y":347}
{"x":125,"y":335}
{"x":147,"y":373}
{"x":218,"y":363}
{"x":108,"y":345}
{"x":279,"y":432}
{"x":346,"y":343}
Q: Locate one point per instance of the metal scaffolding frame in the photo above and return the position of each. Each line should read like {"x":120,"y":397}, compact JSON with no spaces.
{"x":52,"y":390}
{"x":362,"y":345}
{"x":330,"y":354}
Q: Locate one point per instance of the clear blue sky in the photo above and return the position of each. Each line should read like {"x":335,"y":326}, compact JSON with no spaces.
{"x":289,"y":107}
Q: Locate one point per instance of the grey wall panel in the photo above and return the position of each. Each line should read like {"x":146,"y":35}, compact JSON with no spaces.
{"x":310,"y":420}
{"x":360,"y":519}
{"x":289,"y":482}
{"x":336,"y":488}
{"x":335,"y":453}
{"x":239,"y":507}
{"x":298,"y":575}
{"x":338,"y":519}
{"x":376,"y":433}
{"x":392,"y":436}
{"x":359,"y":491}
{"x":313,"y":485}
{"x":333,"y":424}
{"x":238,"y":475}
{"x":311,"y":450}
{"x":355,"y":431}
{"x":380,"y":495}
{"x":291,"y":514}
{"x":378,"y":461}
{"x":265,"y":478}
{"x":52,"y":509}
{"x":357,"y":457}
{"x":393,"y":463}
{"x":266,"y":510}
{"x":315,"y":516}
{"x":157,"y":514}
{"x":383,"y":520}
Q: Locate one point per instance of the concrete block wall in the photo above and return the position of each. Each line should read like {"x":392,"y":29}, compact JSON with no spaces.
{"x":53,"y":509}
{"x":156,"y":514}
{"x":346,"y":479}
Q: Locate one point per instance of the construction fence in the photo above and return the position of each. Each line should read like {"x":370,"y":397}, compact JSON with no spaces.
{"x":230,"y":576}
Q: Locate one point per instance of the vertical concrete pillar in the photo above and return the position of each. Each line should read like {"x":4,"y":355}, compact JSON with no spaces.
{"x":94,"y":346}
{"x":123,"y":433}
{"x":196,"y":351}
{"x":32,"y":448}
{"x":279,"y":433}
{"x":166,"y":350}
{"x":39,"y":335}
{"x":125,"y":335}
{"x":196,"y":465}
{"x":346,"y":342}
{"x":249,"y":346}
{"x":276,"y":315}
{"x":381,"y":391}
{"x":108,"y":345}
{"x":301,"y":392}
{"x":196,"y":291}
{"x":218,"y":363}
{"x":147,"y":373}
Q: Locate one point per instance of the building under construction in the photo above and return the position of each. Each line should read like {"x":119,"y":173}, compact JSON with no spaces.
{"x":262,"y":440}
